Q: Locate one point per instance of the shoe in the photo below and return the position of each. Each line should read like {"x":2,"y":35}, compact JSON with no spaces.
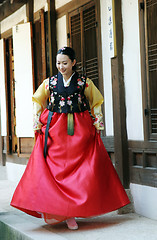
{"x":72,"y":224}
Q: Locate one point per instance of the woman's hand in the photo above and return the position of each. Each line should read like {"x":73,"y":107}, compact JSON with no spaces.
{"x":36,"y":134}
{"x":38,"y":131}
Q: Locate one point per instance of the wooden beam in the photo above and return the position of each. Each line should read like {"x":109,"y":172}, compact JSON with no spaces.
{"x":7,"y":8}
{"x":119,"y":107}
{"x":52,"y":36}
{"x":72,"y":5}
{"x":30,"y":11}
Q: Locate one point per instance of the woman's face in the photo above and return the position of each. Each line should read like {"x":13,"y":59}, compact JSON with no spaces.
{"x":64,"y":65}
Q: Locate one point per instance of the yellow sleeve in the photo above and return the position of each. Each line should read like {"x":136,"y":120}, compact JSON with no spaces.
{"x":42,"y":93}
{"x":95,"y":99}
{"x":39,"y":99}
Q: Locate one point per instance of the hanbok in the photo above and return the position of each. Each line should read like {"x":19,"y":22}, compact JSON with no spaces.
{"x":77,"y":177}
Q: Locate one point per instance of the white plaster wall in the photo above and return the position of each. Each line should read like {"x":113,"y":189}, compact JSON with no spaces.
{"x":61,"y":32}
{"x":39,"y":4}
{"x":13,"y":19}
{"x":144,"y":200}
{"x":60,"y":3}
{"x":2,"y":91}
{"x":132,"y":69}
{"x":106,"y":70}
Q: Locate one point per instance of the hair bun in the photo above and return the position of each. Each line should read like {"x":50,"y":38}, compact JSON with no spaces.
{"x":67,"y":51}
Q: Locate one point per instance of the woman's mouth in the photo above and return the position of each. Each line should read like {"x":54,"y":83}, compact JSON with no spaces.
{"x":62,"y":70}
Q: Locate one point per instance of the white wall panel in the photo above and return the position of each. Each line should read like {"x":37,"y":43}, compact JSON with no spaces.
{"x":132,"y":69}
{"x":2,"y":91}
{"x":106,"y":70}
{"x":60,"y":3}
{"x":61,"y":32}
{"x":23,"y":79}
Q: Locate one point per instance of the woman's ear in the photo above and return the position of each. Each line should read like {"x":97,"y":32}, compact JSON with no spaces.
{"x":74,"y":62}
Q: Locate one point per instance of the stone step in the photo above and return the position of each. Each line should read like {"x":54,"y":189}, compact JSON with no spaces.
{"x":19,"y":226}
{"x":7,"y":232}
{"x":16,"y":225}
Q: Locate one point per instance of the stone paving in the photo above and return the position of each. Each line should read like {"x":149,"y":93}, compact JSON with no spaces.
{"x":111,"y":226}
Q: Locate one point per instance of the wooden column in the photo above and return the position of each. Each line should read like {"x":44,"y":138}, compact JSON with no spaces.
{"x":119,"y":106}
{"x":0,"y":123}
{"x":1,"y":144}
{"x":1,"y":150}
{"x":11,"y":133}
{"x":52,"y":36}
{"x":43,"y":50}
{"x":4,"y":141}
{"x":9,"y":8}
{"x":30,"y":18}
{"x":30,"y":10}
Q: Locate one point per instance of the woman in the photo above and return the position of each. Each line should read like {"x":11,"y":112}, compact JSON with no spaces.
{"x":69,"y":173}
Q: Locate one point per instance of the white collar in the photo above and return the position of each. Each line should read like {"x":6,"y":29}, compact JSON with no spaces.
{"x":67,"y":83}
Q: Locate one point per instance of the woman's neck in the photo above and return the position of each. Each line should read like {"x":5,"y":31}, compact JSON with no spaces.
{"x":66,"y":78}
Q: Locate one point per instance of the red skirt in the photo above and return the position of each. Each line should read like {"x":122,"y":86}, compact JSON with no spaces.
{"x":77,"y":178}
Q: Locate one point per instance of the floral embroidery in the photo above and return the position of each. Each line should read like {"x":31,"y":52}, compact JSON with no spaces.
{"x":52,"y":98}
{"x":69,"y":102}
{"x":99,"y":121}
{"x":62,"y":102}
{"x":46,"y":86}
{"x":36,"y":123}
{"x":79,"y":98}
{"x":54,"y":82}
{"x":101,"y":124}
{"x":46,"y":83}
{"x":36,"y":116}
{"x":80,"y":82}
{"x":87,"y":85}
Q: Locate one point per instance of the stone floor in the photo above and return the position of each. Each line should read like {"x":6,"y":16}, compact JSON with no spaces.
{"x":111,"y":226}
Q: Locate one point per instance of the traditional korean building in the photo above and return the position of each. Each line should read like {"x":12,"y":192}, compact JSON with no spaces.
{"x":116,"y":46}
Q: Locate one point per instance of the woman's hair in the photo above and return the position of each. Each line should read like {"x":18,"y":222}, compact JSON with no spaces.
{"x":69,"y":52}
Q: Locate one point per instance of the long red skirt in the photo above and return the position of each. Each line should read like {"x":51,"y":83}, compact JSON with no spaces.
{"x":77,"y":178}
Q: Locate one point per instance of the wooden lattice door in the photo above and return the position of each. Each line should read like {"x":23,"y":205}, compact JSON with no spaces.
{"x":83,"y":38}
{"x":151,"y":56}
